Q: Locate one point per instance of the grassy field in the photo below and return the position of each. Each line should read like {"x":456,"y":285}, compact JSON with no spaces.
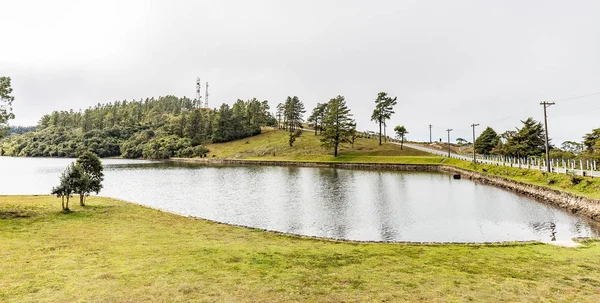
{"x":273,"y":144}
{"x":112,"y":251}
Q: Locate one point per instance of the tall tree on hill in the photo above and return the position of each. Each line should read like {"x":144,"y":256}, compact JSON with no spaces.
{"x":279,"y":114}
{"x":293,"y":111}
{"x":317,"y":116}
{"x":338,"y":124}
{"x":6,"y":100}
{"x":401,"y":133}
{"x":384,"y":109}
{"x":486,"y":141}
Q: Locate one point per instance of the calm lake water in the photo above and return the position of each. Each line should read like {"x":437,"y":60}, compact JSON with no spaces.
{"x":324,"y":202}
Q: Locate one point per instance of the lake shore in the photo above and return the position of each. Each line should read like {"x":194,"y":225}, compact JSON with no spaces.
{"x":117,"y":251}
{"x":574,"y":202}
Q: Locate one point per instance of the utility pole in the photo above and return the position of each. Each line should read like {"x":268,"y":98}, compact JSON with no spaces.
{"x":546,"y":105}
{"x":449,"y":130}
{"x":430,"y":133}
{"x":474,"y":155}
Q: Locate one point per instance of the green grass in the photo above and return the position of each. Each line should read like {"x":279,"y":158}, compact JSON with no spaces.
{"x":273,"y":144}
{"x":112,"y":251}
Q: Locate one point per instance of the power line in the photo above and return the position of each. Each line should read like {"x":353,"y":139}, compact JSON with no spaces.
{"x":577,"y":97}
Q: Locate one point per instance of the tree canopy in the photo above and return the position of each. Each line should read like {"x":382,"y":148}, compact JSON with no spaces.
{"x":486,"y":141}
{"x":6,"y":100}
{"x":384,"y":108}
{"x":338,"y":124}
{"x":151,"y":128}
{"x":401,"y":132}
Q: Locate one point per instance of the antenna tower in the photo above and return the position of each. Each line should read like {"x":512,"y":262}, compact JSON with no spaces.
{"x":206,"y":96}
{"x":198,"y":92}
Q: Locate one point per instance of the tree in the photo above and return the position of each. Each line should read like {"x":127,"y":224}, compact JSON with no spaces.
{"x":70,"y":180}
{"x":317,"y":115}
{"x":462,"y":142}
{"x":590,"y":140}
{"x":400,"y":133}
{"x":91,"y":180}
{"x":572,"y":147}
{"x":384,"y":108}
{"x":527,"y":141}
{"x":337,"y":124}
{"x":6,"y":100}
{"x":293,"y":111}
{"x":486,"y":141}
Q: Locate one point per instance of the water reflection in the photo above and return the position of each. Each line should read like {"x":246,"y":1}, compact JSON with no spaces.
{"x":326,"y":202}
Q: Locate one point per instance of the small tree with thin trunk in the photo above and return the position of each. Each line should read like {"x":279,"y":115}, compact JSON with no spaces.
{"x":400,"y":133}
{"x":70,"y":179}
{"x":384,"y":108}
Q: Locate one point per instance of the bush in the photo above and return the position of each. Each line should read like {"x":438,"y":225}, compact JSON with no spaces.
{"x":576,"y":179}
{"x":297,"y":133}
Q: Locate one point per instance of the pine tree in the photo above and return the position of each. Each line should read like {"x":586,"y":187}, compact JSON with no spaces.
{"x":337,"y":124}
{"x":384,"y":108}
{"x":486,"y":141}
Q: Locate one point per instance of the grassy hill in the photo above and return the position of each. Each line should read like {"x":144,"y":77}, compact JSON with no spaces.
{"x":273,"y":145}
{"x":112,"y":251}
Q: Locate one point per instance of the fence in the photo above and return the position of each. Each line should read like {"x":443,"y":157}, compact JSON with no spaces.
{"x":582,"y":167}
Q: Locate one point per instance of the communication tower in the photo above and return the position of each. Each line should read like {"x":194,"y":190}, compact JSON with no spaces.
{"x":206,"y":95}
{"x":198,"y":93}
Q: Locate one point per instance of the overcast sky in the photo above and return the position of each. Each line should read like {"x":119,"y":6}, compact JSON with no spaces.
{"x":450,"y":63}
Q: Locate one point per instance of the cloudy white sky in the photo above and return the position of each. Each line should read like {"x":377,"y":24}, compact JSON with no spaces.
{"x":450,"y":63}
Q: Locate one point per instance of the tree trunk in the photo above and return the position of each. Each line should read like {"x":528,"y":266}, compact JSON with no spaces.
{"x":63,"y":202}
{"x":402,"y":143}
{"x":380,"y":132}
{"x":67,"y":206}
{"x":335,"y":150}
{"x":82,"y":200}
{"x":385,"y":132}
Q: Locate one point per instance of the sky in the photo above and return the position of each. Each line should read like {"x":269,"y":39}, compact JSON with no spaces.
{"x":450,"y":63}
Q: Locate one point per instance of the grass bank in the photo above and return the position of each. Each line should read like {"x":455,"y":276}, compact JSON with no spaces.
{"x":112,"y":251}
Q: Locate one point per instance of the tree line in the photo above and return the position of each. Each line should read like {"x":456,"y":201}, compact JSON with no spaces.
{"x":529,"y":141}
{"x":151,"y":128}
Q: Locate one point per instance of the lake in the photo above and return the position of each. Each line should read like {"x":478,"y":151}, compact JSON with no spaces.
{"x":325,"y":202}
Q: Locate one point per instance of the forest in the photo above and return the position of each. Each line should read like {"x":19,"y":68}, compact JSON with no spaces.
{"x":152,"y":128}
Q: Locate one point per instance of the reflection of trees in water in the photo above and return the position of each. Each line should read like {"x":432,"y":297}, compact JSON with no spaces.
{"x":333,"y":188}
{"x":547,"y":228}
{"x":384,"y":209}
{"x":293,"y":199}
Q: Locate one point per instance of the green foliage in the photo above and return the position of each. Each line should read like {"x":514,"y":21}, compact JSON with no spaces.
{"x":134,"y":129}
{"x":81,"y":177}
{"x":485,"y":143}
{"x":292,"y":111}
{"x":6,"y":100}
{"x":92,"y":170}
{"x":384,"y":108}
{"x":529,"y":141}
{"x":338,"y":124}
{"x":317,"y":116}
{"x":401,"y":133}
